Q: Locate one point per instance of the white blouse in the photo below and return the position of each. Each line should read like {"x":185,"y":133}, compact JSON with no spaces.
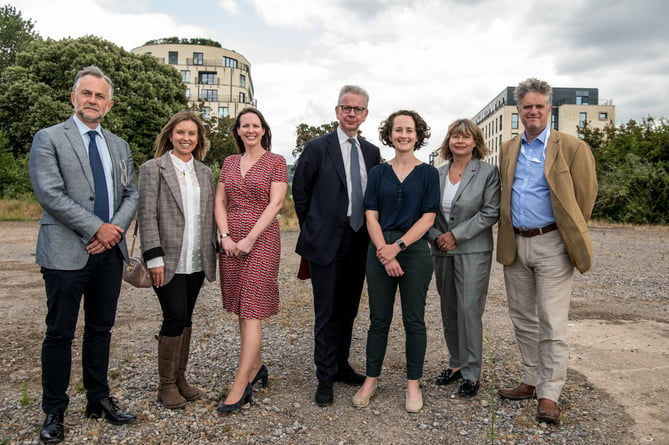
{"x":447,"y":198}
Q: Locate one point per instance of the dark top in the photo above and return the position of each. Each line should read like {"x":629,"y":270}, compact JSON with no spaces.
{"x":401,"y":204}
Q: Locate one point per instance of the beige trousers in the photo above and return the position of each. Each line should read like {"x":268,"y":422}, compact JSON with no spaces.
{"x":538,"y":286}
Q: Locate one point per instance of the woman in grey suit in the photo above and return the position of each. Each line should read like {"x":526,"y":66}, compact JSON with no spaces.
{"x":178,"y":234}
{"x":461,"y":243}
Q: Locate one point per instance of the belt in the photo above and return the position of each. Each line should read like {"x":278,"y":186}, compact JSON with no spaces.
{"x":535,"y":232}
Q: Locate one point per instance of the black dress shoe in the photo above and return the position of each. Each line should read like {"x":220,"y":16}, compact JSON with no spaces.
{"x":468,"y":388}
{"x":108,"y":409}
{"x":53,"y":430}
{"x":324,"y":395}
{"x":448,"y":376}
{"x":350,"y":378}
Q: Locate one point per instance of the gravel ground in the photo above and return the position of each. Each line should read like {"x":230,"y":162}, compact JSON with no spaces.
{"x":629,"y":282}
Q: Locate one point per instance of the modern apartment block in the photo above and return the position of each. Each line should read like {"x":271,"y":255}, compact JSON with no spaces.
{"x":572,"y":108}
{"x":217,"y":78}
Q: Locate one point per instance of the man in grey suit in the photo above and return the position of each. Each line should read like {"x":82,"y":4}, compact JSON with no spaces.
{"x":84,"y":179}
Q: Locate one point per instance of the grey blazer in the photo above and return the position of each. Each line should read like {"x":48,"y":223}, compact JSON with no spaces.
{"x":62,"y":180}
{"x":161,"y":227}
{"x":474,"y":211}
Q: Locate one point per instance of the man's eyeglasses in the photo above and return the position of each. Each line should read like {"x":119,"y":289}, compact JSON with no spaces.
{"x":347,"y":109}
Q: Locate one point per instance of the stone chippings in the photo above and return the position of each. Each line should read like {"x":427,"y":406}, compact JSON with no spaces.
{"x":285,"y":412}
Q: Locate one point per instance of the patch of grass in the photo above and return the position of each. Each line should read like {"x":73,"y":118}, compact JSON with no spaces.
{"x":287,"y":216}
{"x":25,"y":400}
{"x":19,"y":210}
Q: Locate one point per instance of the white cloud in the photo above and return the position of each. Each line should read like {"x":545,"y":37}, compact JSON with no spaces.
{"x":230,"y":6}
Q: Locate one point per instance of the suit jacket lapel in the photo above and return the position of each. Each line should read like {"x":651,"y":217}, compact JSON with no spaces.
{"x":171,"y":180}
{"x":512,"y":159}
{"x":551,"y":152}
{"x":467,"y":176}
{"x":334,"y":151}
{"x":72,"y":134}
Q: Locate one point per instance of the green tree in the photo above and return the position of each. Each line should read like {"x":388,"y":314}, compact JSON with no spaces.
{"x":306,"y":132}
{"x":35,"y":92}
{"x":632,"y":171}
{"x":221,"y":137}
{"x":15,"y":34}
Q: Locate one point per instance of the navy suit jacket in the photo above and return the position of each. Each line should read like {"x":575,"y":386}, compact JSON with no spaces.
{"x":321,"y":197}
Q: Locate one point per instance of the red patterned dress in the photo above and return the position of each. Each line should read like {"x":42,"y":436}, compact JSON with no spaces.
{"x":249,"y":283}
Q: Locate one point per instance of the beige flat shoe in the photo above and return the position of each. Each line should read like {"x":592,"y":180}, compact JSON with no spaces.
{"x":363,"y":401}
{"x":414,"y":406}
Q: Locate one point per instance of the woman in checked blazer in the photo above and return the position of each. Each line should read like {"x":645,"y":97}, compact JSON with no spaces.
{"x":178,"y":235}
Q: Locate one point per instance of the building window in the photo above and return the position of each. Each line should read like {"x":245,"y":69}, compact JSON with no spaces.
{"x":229,"y":62}
{"x":185,"y":76}
{"x":206,"y":112}
{"x":514,"y":121}
{"x":603,"y":116}
{"x":223,"y":112}
{"x":173,"y":57}
{"x":500,"y":123}
{"x":208,"y":78}
{"x":209,"y":95}
{"x":242,"y":81}
{"x":582,"y":118}
{"x":187,"y":93}
{"x":554,"y":124}
{"x":198,"y":59}
{"x":582,"y":97}
{"x":242,"y":97}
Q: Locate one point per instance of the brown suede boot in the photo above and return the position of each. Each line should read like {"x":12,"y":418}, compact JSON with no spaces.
{"x":187,"y":391}
{"x":169,"y":349}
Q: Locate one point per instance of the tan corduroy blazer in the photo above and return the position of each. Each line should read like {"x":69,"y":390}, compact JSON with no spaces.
{"x":570,"y":172}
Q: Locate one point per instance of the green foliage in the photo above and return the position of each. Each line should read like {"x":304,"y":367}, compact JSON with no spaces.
{"x":15,"y":34}
{"x":632,"y":171}
{"x":35,"y":93}
{"x":25,"y":399}
{"x":184,"y":41}
{"x":14,"y":180}
{"x":307,"y":132}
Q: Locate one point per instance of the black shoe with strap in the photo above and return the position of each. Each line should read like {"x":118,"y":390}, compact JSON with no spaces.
{"x":53,"y":429}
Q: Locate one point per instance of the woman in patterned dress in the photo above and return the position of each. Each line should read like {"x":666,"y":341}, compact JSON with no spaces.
{"x":249,"y":196}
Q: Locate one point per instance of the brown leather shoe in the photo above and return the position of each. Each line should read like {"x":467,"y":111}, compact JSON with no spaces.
{"x":520,"y":392}
{"x":548,"y":411}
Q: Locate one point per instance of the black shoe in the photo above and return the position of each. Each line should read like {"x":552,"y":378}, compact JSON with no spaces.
{"x":261,"y":375}
{"x":468,"y":388}
{"x":448,"y":376}
{"x":324,"y":395}
{"x":108,"y":409}
{"x":53,"y":430}
{"x":350,"y":378}
{"x":247,"y":397}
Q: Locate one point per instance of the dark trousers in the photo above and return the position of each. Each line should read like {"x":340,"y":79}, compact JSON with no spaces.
{"x":100,"y":284}
{"x":337,"y":288}
{"x":177,"y":301}
{"x":416,"y":262}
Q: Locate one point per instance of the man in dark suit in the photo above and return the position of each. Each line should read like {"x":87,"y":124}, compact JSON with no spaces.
{"x":333,"y":238}
{"x":84,"y":179}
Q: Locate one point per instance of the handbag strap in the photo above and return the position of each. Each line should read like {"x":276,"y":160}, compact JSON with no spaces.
{"x":134,"y":232}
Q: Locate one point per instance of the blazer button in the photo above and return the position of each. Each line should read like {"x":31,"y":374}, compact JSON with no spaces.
{"x":91,"y":198}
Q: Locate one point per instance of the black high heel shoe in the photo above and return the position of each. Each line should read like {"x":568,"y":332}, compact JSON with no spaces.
{"x":247,"y":397}
{"x":261,"y":375}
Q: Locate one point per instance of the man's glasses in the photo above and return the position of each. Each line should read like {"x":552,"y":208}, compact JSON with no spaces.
{"x":347,"y":109}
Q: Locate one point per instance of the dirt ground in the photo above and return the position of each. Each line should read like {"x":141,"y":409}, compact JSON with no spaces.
{"x":619,"y":319}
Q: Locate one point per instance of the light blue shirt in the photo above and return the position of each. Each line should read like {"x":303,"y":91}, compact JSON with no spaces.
{"x":530,"y":196}
{"x":105,"y":157}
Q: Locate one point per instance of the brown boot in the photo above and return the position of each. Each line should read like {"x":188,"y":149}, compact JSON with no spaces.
{"x":187,"y":391}
{"x":548,"y":411}
{"x":169,"y":349}
{"x":520,"y":392}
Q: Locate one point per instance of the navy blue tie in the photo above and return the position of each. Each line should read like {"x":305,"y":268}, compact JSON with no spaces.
{"x":101,"y":206}
{"x":357,"y":217}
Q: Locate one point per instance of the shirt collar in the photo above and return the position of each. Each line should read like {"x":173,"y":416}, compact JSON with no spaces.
{"x":543,"y":136}
{"x":83,"y":128}
{"x":343,"y":137}
{"x":181,"y":164}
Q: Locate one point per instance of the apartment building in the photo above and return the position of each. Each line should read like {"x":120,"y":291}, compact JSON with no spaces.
{"x":217,"y":79}
{"x":572,"y":108}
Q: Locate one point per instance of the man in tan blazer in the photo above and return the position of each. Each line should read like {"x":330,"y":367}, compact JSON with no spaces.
{"x":549,"y":188}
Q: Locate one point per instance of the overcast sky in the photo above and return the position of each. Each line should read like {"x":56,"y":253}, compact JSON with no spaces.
{"x":443,"y":58}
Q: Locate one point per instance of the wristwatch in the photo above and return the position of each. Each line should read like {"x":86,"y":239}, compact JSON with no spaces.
{"x":400,"y":243}
{"x":224,"y":235}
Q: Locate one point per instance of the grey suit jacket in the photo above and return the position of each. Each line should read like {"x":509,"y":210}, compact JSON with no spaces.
{"x":62,"y":180}
{"x":474,"y":211}
{"x":161,"y":225}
